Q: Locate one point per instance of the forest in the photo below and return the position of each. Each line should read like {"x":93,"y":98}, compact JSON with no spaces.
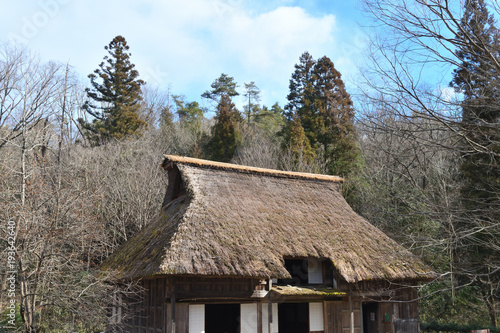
{"x":80,"y":160}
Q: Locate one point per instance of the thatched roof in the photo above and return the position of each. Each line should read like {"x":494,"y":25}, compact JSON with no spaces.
{"x":230,"y":220}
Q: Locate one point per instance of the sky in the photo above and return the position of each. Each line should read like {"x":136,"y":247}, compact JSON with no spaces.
{"x":185,"y":45}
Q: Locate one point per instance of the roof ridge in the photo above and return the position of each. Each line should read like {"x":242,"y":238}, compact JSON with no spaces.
{"x":246,"y":169}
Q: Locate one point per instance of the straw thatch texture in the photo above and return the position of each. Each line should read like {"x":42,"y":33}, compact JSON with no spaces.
{"x":242,"y":222}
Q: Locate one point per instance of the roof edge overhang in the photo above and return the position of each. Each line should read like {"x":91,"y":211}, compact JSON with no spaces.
{"x":171,"y":160}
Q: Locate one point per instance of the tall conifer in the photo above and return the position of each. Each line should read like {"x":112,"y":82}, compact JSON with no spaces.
{"x":319,"y":99}
{"x":226,"y":134}
{"x":477,"y":79}
{"x":114,"y":98}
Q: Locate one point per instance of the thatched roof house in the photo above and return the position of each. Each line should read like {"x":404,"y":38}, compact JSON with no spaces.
{"x":242,"y":221}
{"x":229,"y":221}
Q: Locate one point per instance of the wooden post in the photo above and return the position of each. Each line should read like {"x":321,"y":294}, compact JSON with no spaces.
{"x":351,"y":310}
{"x":325,"y":317}
{"x":270,"y":316}
{"x":259,"y":317}
{"x":164,"y":307}
{"x":172,"y":308}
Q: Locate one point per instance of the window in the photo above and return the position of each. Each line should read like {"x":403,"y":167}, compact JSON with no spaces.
{"x":315,"y":268}
{"x":197,"y":318}
{"x":249,"y":318}
{"x":298,"y":269}
{"x":309,"y":271}
{"x":316,"y":321}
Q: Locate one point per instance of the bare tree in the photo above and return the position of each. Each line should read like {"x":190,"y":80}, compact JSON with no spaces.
{"x":50,"y":193}
{"x":414,"y":121}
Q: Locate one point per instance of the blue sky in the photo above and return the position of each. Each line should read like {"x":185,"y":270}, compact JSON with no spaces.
{"x":186,"y":44}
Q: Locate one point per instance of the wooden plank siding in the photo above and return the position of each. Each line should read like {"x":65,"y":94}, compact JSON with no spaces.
{"x":333,"y":317}
{"x":165,"y":296}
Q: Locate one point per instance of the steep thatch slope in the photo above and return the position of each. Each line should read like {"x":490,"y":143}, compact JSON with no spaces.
{"x":240,"y":221}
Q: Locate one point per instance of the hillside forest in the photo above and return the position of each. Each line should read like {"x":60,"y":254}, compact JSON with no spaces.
{"x":80,"y":159}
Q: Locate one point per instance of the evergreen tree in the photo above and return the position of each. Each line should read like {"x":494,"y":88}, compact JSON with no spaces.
{"x":298,"y":143}
{"x":319,"y":99}
{"x":223,"y":85}
{"x":226,"y":134}
{"x":301,"y":90}
{"x":271,"y":120}
{"x":114,"y":98}
{"x":190,"y":115}
{"x":334,"y":112}
{"x":252,"y":94}
{"x":477,"y":79}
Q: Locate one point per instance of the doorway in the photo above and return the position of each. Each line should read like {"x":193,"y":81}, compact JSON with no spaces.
{"x":370,"y":318}
{"x":222,"y":318}
{"x":293,"y":317}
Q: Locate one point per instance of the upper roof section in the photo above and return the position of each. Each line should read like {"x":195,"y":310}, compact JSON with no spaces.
{"x":170,"y":160}
{"x":221,"y":219}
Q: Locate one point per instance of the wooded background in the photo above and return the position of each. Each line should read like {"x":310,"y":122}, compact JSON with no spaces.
{"x":80,"y":161}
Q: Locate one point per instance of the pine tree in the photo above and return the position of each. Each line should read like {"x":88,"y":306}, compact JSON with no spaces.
{"x":477,"y":79}
{"x":223,"y":85}
{"x":319,"y":99}
{"x":252,"y":94}
{"x":226,"y":134}
{"x":114,"y":98}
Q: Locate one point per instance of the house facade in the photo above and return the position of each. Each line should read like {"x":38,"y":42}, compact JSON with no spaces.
{"x":244,"y":249}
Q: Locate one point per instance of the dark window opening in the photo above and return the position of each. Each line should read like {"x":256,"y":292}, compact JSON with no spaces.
{"x":222,"y":318}
{"x":298,"y":270}
{"x":293,"y":317}
{"x":328,"y":272}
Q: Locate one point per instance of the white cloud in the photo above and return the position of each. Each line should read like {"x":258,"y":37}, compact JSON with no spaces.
{"x":189,"y":43}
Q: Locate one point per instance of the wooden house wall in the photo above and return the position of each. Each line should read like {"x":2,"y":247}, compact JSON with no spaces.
{"x":406,"y":313}
{"x":154,"y":313}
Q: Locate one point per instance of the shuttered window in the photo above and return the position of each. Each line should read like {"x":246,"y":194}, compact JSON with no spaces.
{"x":197,"y":318}
{"x":315,"y":270}
{"x":316,"y":321}
{"x":249,"y":318}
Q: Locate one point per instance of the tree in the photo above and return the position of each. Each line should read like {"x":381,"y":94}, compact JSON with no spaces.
{"x":298,"y":142}
{"x":477,"y":79}
{"x":226,"y":134}
{"x":156,"y":108}
{"x":114,"y":103}
{"x":417,"y":44}
{"x":190,"y":114}
{"x":223,"y":85}
{"x":191,"y":119}
{"x":271,"y":120}
{"x":252,"y":93}
{"x":337,"y":133}
{"x":319,"y":99}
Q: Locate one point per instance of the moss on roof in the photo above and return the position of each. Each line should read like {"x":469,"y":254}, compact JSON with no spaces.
{"x":307,"y":290}
{"x":240,"y":221}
